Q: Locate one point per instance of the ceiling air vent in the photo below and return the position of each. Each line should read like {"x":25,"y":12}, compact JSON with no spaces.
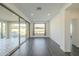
{"x":39,"y":8}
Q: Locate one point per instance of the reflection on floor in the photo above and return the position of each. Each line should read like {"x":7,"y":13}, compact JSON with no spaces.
{"x":75,"y":51}
{"x":39,"y":47}
{"x":34,"y":47}
{"x":7,"y":45}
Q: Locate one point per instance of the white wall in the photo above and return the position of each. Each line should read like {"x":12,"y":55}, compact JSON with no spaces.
{"x":72,"y":15}
{"x":57,"y":29}
{"x":60,"y":29}
{"x":75,"y":35}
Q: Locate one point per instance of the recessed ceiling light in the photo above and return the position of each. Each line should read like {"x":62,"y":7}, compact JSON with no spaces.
{"x":32,"y":14}
{"x":13,"y":14}
{"x":49,"y":14}
{"x":39,"y":8}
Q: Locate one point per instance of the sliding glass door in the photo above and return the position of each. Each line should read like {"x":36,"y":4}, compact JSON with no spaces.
{"x":22,"y":30}
{"x":9,"y":31}
{"x":13,"y":31}
{"x":0,"y":30}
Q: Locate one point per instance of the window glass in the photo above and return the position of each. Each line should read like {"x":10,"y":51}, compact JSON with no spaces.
{"x":39,"y":29}
{"x":22,"y":30}
{"x":4,"y":30}
{"x":9,"y":31}
{"x":0,"y":29}
{"x":13,"y":31}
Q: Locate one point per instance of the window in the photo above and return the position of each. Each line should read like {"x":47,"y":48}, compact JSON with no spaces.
{"x":71,"y":29}
{"x":4,"y":30}
{"x":14,"y":30}
{"x":22,"y":30}
{"x":39,"y":29}
{"x":0,"y":29}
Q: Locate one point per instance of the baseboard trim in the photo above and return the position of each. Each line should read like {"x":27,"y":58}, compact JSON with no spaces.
{"x":68,"y":53}
{"x":38,"y":37}
{"x":50,"y":47}
{"x":75,"y":46}
{"x":55,"y":42}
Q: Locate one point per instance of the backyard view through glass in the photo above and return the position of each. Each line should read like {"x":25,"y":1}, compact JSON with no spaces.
{"x":39,"y":29}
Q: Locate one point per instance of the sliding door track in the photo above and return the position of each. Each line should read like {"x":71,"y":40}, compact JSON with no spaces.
{"x":15,"y":49}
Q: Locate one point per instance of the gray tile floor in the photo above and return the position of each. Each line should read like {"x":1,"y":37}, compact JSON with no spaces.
{"x":7,"y":45}
{"x":75,"y":51}
{"x":34,"y":47}
{"x":39,"y":47}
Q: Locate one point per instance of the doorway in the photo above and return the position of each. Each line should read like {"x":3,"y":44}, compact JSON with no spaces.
{"x":74,"y":37}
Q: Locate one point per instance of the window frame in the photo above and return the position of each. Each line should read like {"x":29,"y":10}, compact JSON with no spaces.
{"x":34,"y":28}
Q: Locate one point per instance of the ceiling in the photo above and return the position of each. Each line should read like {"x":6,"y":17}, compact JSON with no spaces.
{"x":74,"y":6}
{"x":6,"y":15}
{"x":39,"y":11}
